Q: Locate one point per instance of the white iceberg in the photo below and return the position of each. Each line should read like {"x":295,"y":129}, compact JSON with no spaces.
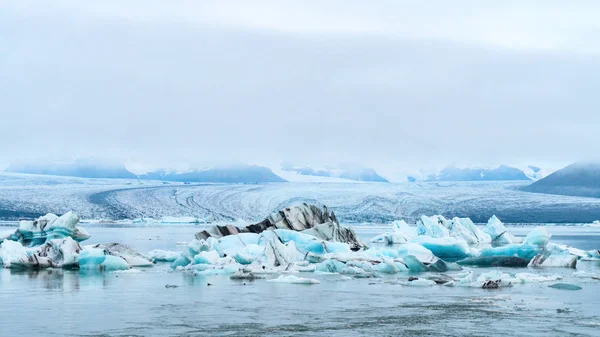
{"x":499,"y":234}
{"x":293,"y":280}
{"x":401,"y":233}
{"x":160,"y":255}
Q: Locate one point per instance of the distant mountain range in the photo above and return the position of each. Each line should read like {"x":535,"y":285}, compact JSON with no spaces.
{"x":227,"y":174}
{"x":501,"y":173}
{"x":348,"y":172}
{"x":241,"y":173}
{"x":84,"y":168}
{"x":578,"y":179}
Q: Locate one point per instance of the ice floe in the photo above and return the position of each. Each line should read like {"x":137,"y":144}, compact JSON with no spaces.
{"x":308,"y":239}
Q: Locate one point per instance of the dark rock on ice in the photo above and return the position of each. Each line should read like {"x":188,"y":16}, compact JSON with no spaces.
{"x":492,"y":284}
{"x":309,"y":219}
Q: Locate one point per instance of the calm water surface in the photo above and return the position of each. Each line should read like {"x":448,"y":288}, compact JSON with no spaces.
{"x":70,"y":303}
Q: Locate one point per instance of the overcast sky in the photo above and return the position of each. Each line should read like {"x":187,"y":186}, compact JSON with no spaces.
{"x":387,"y":84}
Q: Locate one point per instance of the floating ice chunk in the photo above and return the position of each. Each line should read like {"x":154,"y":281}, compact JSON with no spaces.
{"x":331,"y":266}
{"x":488,"y":280}
{"x":445,"y":247}
{"x":324,"y":247}
{"x":278,"y":254}
{"x":334,"y":232}
{"x":414,"y":265}
{"x":111,"y":263}
{"x":586,"y":274}
{"x":593,"y":255}
{"x":160,"y":255}
{"x":57,"y":253}
{"x":421,"y":253}
{"x":12,"y":252}
{"x":96,"y":259}
{"x":389,"y":266}
{"x":533,"y":278}
{"x":243,"y":258}
{"x":525,"y":251}
{"x":539,"y":237}
{"x":209,"y":270}
{"x":548,"y":259}
{"x":62,"y":253}
{"x":494,"y":261}
{"x":364,"y":266}
{"x":294,"y":280}
{"x":128,"y":271}
{"x":181,"y":261}
{"x":555,"y":248}
{"x":4,"y":235}
{"x":127,"y":253}
{"x":432,"y":226}
{"x":420,"y":282}
{"x":377,"y":253}
{"x":249,"y":254}
{"x":465,"y":229}
{"x":498,"y":233}
{"x":210,"y":257}
{"x":498,"y":279}
{"x":229,"y":245}
{"x":49,"y":227}
{"x":404,"y":228}
{"x":565,"y":286}
{"x":401,"y":233}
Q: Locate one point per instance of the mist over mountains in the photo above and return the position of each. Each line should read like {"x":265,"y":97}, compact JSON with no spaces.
{"x":243,"y":173}
{"x":83,"y":168}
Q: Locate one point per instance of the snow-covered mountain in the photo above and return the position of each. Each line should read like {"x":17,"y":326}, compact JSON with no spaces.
{"x":84,"y":168}
{"x":578,"y":179}
{"x":221,"y":174}
{"x":500,"y":173}
{"x":345,"y":172}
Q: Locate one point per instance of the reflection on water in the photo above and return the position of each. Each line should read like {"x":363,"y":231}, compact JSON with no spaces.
{"x":73,"y":303}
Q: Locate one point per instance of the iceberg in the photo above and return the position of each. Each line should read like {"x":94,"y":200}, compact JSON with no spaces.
{"x":293,"y":280}
{"x":421,"y":253}
{"x":433,"y":226}
{"x":494,"y":261}
{"x":309,"y":219}
{"x":445,"y":247}
{"x":538,"y":237}
{"x":160,"y":255}
{"x":97,"y":259}
{"x":57,"y":253}
{"x":12,"y":252}
{"x":125,"y":252}
{"x":210,"y":257}
{"x":549,"y":259}
{"x":279,"y":254}
{"x":524,"y":251}
{"x":565,"y":286}
{"x":464,"y":228}
{"x":401,"y":233}
{"x":48,"y":227}
{"x":498,"y":233}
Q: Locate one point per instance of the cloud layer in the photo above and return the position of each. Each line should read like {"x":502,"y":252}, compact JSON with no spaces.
{"x":391,"y":85}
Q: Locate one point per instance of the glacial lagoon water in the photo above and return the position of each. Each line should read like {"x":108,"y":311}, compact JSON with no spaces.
{"x":73,"y":303}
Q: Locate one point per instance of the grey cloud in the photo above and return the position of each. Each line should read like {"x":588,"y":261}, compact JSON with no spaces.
{"x":159,"y":92}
